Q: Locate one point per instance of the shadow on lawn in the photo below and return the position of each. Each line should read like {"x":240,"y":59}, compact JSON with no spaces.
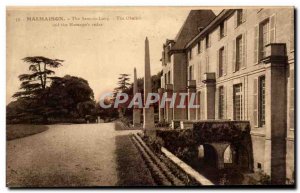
{"x":19,"y":130}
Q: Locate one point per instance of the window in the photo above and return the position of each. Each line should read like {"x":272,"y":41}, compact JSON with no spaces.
{"x":221,"y":61}
{"x":206,"y":64}
{"x":264,"y":37}
{"x":207,"y":41}
{"x":169,"y":56}
{"x":190,"y":54}
{"x":169,"y":77}
{"x":199,"y":47}
{"x":240,"y":17}
{"x":222,"y":30}
{"x":264,"y":34}
{"x":191,"y":72}
{"x":238,"y":102}
{"x":239,"y":53}
{"x":221,"y":102}
{"x":166,"y":80}
{"x":261,"y":100}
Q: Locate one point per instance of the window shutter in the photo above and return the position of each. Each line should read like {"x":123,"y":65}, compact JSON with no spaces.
{"x":244,"y":15}
{"x":235,"y":16}
{"x":217,"y":106}
{"x":233,"y":55}
{"x":256,"y":45}
{"x":255,"y":102}
{"x":207,"y":63}
{"x":199,"y":71}
{"x":225,"y":27}
{"x":244,"y":50}
{"x":219,"y":35}
{"x":218,"y":63}
{"x":225,"y":59}
{"x":272,"y":29}
{"x":292,"y":103}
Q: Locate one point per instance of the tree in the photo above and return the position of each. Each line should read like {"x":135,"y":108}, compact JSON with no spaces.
{"x":123,"y":83}
{"x":71,"y":96}
{"x":35,"y":82}
{"x":34,"y":85}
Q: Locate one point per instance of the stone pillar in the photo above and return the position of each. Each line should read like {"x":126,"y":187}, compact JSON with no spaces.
{"x":147,"y":112}
{"x":136,"y":111}
{"x":275,"y":112}
{"x":160,"y":109}
{"x":220,"y":149}
{"x":192,"y":91}
{"x":210,"y":89}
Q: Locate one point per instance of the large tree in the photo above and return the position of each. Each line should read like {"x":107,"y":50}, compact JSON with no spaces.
{"x":39,"y":77}
{"x":71,"y":96}
{"x":34,"y":85}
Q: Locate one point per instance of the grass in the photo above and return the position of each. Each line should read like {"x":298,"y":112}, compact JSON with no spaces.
{"x":132,"y":170}
{"x":20,"y":131}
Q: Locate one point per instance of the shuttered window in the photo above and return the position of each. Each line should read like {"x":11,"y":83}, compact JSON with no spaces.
{"x":255,"y":104}
{"x":256,"y":44}
{"x":239,"y":53}
{"x":206,"y":63}
{"x":262,"y":101}
{"x":191,"y":73}
{"x":238,"y":102}
{"x":222,"y":30}
{"x":264,"y":37}
{"x":199,"y":71}
{"x":225,"y":59}
{"x":292,"y":104}
{"x":221,"y":102}
{"x":239,"y":17}
{"x":199,"y":107}
{"x":272,"y":29}
{"x":265,"y":34}
{"x":244,"y":50}
{"x":233,"y":55}
{"x":221,"y":59}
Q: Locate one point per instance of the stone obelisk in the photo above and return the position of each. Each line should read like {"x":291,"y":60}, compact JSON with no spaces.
{"x":136,"y":111}
{"x":148,"y":112}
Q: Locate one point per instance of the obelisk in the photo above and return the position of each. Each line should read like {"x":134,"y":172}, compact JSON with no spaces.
{"x":136,"y":111}
{"x":148,"y":112}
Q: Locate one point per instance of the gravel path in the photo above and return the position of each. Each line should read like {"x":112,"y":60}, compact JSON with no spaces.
{"x":64,"y":156}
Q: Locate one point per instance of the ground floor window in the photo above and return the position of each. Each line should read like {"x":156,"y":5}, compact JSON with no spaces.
{"x":238,"y":102}
{"x":261,"y":100}
{"x":221,"y":102}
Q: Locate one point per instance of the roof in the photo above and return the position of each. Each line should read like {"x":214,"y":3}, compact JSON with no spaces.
{"x":215,"y":22}
{"x":190,"y":28}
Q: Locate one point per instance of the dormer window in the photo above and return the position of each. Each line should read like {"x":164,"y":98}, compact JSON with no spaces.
{"x":240,"y":17}
{"x":222,"y":30}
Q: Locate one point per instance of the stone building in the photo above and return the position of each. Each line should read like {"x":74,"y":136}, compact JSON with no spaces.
{"x":240,"y":64}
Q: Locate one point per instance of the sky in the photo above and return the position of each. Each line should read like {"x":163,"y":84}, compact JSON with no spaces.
{"x":108,"y":41}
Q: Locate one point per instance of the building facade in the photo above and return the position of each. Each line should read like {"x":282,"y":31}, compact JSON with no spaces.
{"x":241,"y":66}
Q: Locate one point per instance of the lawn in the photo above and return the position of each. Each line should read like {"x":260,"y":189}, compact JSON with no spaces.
{"x":19,"y":130}
{"x":132,"y":170}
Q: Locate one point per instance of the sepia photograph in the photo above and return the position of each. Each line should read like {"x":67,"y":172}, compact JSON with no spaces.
{"x":150,"y":96}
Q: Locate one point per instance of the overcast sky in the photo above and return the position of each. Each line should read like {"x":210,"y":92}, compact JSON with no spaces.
{"x":97,"y":54}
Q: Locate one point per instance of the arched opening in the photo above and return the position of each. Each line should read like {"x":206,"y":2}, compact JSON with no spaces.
{"x":228,"y":154}
{"x":201,"y":152}
{"x":210,"y":156}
